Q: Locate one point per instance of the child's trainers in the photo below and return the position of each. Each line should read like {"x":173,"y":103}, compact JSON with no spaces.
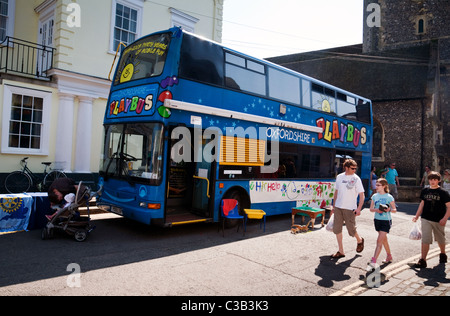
{"x":372,"y":265}
{"x":442,"y":258}
{"x":388,"y":259}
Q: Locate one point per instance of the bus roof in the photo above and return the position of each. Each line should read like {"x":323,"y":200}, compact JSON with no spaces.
{"x":279,"y":67}
{"x":178,"y":32}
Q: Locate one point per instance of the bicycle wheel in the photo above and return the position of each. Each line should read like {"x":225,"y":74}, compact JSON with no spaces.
{"x":52,"y":176}
{"x":18,"y":182}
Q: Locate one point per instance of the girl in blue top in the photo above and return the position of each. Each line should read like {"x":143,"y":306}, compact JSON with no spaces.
{"x":383,"y":204}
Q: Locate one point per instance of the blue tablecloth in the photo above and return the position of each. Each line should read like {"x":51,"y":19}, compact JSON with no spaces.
{"x":41,"y":207}
{"x":23,"y":211}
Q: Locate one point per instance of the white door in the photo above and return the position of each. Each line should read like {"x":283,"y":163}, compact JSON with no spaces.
{"x":44,"y":56}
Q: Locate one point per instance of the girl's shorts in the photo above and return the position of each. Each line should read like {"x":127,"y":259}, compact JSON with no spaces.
{"x":383,"y":226}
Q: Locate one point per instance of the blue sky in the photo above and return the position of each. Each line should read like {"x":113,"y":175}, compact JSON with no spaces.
{"x":267,"y":28}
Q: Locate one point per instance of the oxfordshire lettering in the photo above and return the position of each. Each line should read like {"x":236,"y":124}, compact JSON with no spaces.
{"x":284,"y":134}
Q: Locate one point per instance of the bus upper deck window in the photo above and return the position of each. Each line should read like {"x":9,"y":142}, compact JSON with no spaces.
{"x":143,"y":59}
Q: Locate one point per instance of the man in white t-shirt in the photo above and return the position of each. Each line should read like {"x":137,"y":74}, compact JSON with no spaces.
{"x":345,"y":208}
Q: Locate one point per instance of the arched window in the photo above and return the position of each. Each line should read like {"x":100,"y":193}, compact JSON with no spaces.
{"x":378,"y":141}
{"x":421,"y":26}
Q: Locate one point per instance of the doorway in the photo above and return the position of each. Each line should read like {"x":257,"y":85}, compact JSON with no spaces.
{"x":44,"y":55}
{"x":190,"y":176}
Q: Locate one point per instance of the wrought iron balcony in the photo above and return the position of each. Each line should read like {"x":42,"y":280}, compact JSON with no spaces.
{"x":25,"y":58}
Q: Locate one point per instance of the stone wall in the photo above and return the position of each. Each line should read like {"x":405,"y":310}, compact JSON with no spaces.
{"x":400,"y":23}
{"x":400,"y":29}
{"x":409,"y":194}
{"x":402,"y":122}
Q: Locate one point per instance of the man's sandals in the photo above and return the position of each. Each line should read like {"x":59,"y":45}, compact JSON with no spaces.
{"x":359,"y":249}
{"x":337,"y":255}
{"x":360,"y":246}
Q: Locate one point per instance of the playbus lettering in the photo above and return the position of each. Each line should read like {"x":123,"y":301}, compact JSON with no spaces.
{"x":135,"y":104}
{"x":342,"y":132}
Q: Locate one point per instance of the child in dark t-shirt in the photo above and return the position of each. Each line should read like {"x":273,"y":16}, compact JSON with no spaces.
{"x":435,"y":212}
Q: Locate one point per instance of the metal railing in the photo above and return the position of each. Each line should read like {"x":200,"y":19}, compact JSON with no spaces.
{"x":25,"y":58}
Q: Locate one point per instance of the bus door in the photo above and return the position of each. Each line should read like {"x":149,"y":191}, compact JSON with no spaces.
{"x":202,"y":185}
{"x":204,"y":162}
{"x":190,"y":175}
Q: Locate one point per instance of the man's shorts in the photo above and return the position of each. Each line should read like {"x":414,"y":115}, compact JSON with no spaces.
{"x":382,"y":225}
{"x":348,"y":216}
{"x":428,"y":228}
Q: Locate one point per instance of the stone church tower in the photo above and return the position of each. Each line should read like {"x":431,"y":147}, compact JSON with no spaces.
{"x":419,"y":31}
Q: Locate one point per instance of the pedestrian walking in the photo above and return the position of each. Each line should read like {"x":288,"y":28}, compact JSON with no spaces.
{"x":346,"y":207}
{"x":434,"y":210}
{"x":446,"y":180}
{"x":424,"y":183}
{"x":373,"y":181}
{"x":383,"y":204}
{"x":392,"y":179}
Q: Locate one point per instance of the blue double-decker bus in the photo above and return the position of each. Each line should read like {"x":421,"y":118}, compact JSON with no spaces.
{"x":190,"y":122}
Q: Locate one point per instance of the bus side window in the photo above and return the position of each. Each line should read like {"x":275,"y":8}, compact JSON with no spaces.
{"x":201,"y":61}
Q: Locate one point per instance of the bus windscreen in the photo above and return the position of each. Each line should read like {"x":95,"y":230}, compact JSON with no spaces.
{"x":143,"y":59}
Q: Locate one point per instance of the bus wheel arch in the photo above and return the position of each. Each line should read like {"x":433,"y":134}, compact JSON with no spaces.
{"x":241,"y":195}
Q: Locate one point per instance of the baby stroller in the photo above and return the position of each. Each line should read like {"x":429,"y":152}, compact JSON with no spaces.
{"x":68,"y":219}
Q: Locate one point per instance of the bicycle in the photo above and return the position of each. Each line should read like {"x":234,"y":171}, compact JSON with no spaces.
{"x":22,"y":181}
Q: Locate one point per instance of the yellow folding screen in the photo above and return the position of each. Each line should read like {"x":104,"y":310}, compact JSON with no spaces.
{"x":236,"y":151}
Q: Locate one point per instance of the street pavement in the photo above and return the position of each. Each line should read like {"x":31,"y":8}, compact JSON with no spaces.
{"x":122,"y":257}
{"x":403,"y":279}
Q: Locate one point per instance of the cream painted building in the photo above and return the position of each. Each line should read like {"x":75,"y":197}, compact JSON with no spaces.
{"x":55,"y":60}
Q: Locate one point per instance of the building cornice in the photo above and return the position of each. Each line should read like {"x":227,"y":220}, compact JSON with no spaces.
{"x":44,"y":5}
{"x":80,"y":84}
